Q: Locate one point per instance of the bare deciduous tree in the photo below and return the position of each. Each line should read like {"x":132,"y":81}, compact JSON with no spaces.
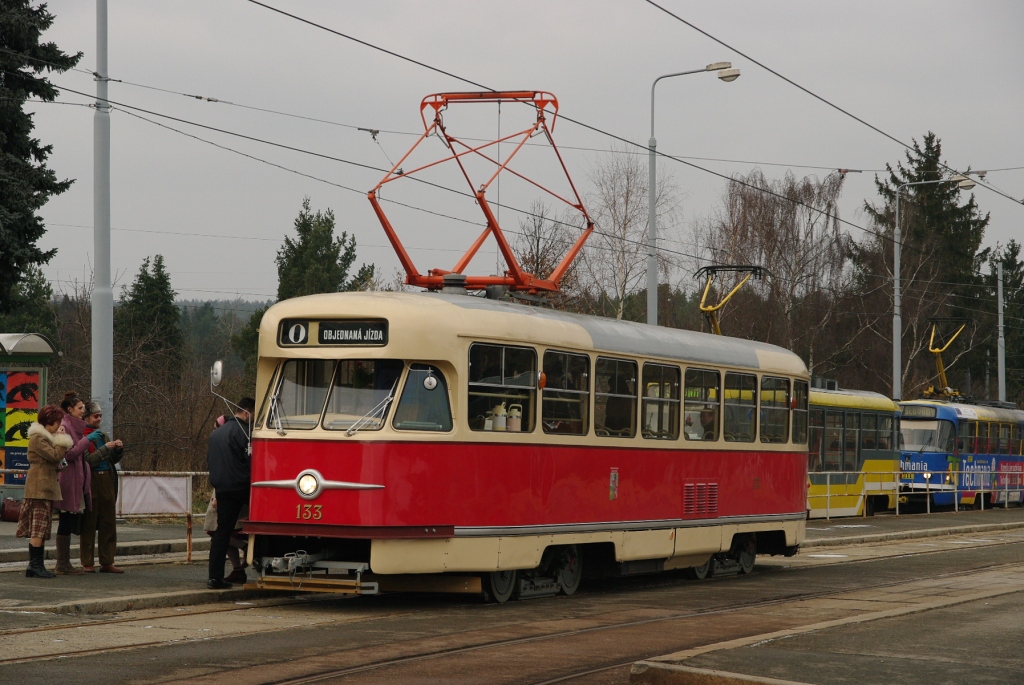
{"x":791,"y":227}
{"x":614,"y":261}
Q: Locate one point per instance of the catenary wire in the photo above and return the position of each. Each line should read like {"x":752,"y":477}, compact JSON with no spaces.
{"x":580,"y":123}
{"x":814,"y":95}
{"x":516,"y":209}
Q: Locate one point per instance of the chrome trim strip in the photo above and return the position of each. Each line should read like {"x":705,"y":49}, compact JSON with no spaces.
{"x":324,"y":484}
{"x":481,"y":531}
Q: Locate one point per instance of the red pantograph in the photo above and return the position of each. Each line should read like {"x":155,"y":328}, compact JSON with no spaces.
{"x":515,"y":278}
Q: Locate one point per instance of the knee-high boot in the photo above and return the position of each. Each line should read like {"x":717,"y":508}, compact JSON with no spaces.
{"x":36,"y":569}
{"x":64,"y":566}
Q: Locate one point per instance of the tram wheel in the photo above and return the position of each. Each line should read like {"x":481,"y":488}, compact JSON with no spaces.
{"x":705,"y":570}
{"x":570,"y":571}
{"x":500,"y":586}
{"x":746,"y":554}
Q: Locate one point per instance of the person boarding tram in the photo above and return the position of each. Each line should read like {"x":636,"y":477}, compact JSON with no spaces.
{"x":228,"y":457}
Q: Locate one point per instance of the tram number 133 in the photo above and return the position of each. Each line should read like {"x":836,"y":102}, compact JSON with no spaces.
{"x":306,"y":512}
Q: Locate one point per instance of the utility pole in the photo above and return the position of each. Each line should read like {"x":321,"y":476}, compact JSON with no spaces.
{"x":1001,"y":344}
{"x":102,"y":292}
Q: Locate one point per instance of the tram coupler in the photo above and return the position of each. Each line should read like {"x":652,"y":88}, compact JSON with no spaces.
{"x":301,"y":572}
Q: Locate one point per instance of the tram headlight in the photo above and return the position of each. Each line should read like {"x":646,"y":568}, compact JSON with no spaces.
{"x":308,"y":485}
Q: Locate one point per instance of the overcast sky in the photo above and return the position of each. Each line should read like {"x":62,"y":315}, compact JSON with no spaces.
{"x":218,"y":218}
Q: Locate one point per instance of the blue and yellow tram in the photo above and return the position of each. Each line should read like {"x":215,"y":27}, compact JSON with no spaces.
{"x":963,"y":454}
{"x":852,"y":456}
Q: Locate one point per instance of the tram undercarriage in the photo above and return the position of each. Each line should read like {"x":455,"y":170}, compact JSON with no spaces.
{"x":343,"y":566}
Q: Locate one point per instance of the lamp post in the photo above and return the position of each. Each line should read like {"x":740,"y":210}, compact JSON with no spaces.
{"x":727,"y":74}
{"x":897,"y":322}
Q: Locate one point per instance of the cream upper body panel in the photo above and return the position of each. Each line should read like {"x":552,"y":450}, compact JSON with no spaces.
{"x":439,"y":329}
{"x":425,"y":325}
{"x":852,"y":399}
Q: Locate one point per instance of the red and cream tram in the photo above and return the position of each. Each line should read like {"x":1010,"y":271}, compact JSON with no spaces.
{"x":456,"y":443}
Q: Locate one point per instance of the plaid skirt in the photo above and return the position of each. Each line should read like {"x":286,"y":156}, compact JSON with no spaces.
{"x":36,"y":519}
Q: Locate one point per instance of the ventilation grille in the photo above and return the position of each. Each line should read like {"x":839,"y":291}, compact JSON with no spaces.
{"x":700,"y":499}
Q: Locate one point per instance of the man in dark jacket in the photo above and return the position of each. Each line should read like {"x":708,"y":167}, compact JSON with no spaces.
{"x":228,"y":460}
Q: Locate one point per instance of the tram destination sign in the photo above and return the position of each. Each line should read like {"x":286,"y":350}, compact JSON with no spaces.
{"x":300,"y":332}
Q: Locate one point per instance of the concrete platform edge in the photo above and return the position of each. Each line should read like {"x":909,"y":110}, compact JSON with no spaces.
{"x":159,"y":600}
{"x":650,"y":673}
{"x":911,"y":534}
{"x":124,"y":549}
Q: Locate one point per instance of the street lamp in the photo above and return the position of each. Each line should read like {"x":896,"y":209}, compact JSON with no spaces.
{"x":897,"y":322}
{"x":726,"y":73}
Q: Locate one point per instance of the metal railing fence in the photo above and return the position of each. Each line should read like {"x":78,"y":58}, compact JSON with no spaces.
{"x":889,"y":483}
{"x":188,"y":516}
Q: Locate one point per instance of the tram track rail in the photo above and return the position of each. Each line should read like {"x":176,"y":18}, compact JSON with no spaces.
{"x":493,"y":644}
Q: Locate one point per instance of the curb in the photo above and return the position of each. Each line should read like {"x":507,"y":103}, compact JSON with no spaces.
{"x":650,"y":673}
{"x":124,"y":549}
{"x":911,"y":534}
{"x":160,"y":600}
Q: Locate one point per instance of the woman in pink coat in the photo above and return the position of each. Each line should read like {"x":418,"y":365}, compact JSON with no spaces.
{"x":75,"y":482}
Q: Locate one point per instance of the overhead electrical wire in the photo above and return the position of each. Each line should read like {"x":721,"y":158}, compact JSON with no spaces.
{"x":675,"y":158}
{"x":815,"y":95}
{"x":582,"y":124}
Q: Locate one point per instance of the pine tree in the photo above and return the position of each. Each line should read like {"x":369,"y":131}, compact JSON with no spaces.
{"x":314,"y":262}
{"x":31,"y":306}
{"x":147,"y":314}
{"x":26,"y":184}
{"x":940,"y":270}
{"x":931,"y":214}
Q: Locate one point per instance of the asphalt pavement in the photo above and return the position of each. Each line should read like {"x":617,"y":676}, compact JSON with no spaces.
{"x":153,"y":556}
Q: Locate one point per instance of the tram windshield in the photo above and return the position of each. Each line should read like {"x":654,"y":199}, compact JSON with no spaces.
{"x":927,"y":436}
{"x":357,"y":393}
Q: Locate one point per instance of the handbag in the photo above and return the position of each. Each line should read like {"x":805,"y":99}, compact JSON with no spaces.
{"x":10,"y":510}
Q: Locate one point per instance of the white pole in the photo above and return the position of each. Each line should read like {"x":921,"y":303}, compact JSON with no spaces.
{"x":652,"y":227}
{"x":897,"y":323}
{"x":1001,"y":344}
{"x":102,"y":293}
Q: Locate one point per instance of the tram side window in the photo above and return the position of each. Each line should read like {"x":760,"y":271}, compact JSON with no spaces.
{"x":701,"y":395}
{"x":817,"y":439}
{"x":833,"y":441}
{"x":885,"y":433}
{"x":566,"y":394}
{"x":740,"y":407}
{"x":660,"y":404}
{"x":774,"y":409}
{"x":800,"y":392}
{"x":615,"y":398}
{"x":301,"y":393}
{"x":1004,"y":438}
{"x":361,"y":394}
{"x":850,"y":462}
{"x":424,"y":404}
{"x":869,"y":431}
{"x":502,"y":381}
{"x":966,"y":432}
{"x":982,"y":447}
{"x":1018,"y":447}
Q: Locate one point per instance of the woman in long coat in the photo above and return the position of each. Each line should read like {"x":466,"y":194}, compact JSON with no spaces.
{"x":47,"y":445}
{"x":75,"y":482}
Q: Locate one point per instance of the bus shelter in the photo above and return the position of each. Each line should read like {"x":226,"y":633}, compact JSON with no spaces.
{"x":24,"y":358}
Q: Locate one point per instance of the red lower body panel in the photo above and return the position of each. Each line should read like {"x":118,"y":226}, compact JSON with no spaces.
{"x":444,"y":486}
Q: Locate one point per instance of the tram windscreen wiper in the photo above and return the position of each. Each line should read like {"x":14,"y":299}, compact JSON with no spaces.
{"x":380,"y":408}
{"x":274,"y":413}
